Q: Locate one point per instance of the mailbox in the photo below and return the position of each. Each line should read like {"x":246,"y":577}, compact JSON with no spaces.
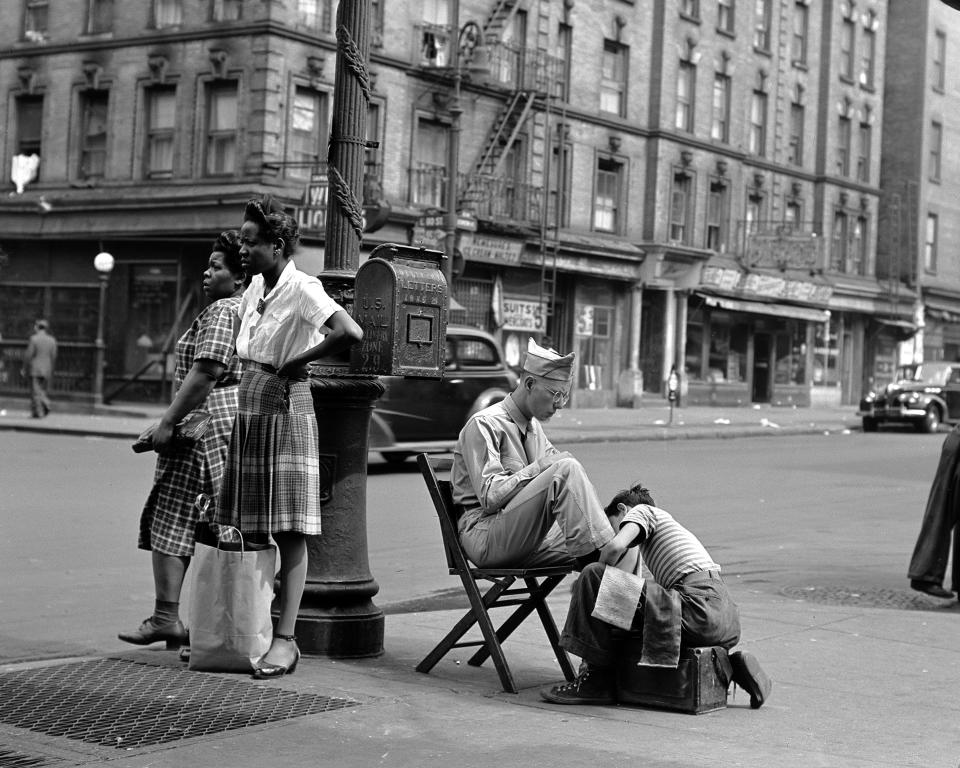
{"x":401,"y":302}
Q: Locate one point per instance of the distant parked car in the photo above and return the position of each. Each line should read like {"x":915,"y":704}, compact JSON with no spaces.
{"x":426,"y":415}
{"x":923,"y":394}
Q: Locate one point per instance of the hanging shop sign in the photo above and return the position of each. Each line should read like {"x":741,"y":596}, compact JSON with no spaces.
{"x":311,"y":214}
{"x":521,"y":314}
{"x":764,"y":285}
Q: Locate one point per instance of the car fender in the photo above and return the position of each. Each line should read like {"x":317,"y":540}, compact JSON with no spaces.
{"x":486,"y":398}
{"x":935,"y":400}
{"x":380,"y":435}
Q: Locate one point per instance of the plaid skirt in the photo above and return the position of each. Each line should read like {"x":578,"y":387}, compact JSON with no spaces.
{"x":272,"y":479}
{"x":169,"y":517}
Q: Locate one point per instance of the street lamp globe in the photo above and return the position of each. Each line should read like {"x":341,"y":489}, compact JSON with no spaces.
{"x":103,"y":263}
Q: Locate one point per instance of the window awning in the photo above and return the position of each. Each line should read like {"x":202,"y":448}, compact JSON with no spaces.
{"x":762,"y":308}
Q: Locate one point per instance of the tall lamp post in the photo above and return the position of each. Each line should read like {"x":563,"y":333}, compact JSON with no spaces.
{"x":103,"y":262}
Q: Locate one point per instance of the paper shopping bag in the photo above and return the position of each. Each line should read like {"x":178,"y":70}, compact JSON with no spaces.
{"x":230,"y":625}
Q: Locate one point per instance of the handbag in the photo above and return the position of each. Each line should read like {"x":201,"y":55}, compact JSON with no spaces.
{"x":188,"y":432}
{"x":229,"y":615}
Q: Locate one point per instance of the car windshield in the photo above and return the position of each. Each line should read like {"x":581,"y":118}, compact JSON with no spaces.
{"x":924,"y":373}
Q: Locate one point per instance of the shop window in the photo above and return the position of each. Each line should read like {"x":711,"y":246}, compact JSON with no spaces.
{"x":727,"y":357}
{"x":693,"y":354}
{"x":825,"y":355}
{"x":594,"y":329}
{"x":791,"y":351}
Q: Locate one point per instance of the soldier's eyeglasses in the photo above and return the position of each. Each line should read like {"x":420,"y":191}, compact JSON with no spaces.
{"x":560,"y":399}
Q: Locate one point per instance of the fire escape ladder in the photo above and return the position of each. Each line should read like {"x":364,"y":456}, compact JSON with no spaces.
{"x":516,"y":125}
{"x":498,"y":142}
{"x":500,"y":18}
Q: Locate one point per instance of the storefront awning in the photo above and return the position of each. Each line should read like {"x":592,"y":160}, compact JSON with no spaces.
{"x":761,"y":308}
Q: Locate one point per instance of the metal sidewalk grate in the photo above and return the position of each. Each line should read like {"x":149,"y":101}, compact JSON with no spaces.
{"x":12,"y":759}
{"x":128,"y":704}
{"x":874,"y":597}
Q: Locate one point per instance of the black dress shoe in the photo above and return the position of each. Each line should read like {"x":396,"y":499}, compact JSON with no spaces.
{"x":748,"y":674}
{"x":929,"y":588}
{"x":150,"y":632}
{"x":266,"y":670}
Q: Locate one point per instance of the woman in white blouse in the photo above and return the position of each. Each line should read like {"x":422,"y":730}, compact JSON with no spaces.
{"x":286,"y":320}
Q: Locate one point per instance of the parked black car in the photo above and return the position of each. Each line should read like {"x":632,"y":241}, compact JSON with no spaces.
{"x":923,"y":394}
{"x":426,"y":415}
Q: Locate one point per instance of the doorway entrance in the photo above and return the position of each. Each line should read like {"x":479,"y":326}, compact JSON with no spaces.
{"x":762,"y":353}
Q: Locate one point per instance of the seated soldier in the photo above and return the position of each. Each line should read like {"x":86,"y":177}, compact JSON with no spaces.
{"x":686,"y":604}
{"x":526,"y":504}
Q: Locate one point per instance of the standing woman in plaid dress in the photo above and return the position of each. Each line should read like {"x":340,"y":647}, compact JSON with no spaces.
{"x":272,"y":482}
{"x":207,"y":377}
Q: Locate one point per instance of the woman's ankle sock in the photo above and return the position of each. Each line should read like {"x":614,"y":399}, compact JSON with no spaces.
{"x":165,"y":612}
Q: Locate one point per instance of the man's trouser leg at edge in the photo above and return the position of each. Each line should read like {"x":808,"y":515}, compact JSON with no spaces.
{"x":929,"y":560}
{"x":518,"y":534}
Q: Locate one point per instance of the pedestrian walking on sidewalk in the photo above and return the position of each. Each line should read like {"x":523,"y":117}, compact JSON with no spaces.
{"x":928,"y":565}
{"x":272,"y":483}
{"x":685,"y":604}
{"x":207,"y":376}
{"x":39,"y":361}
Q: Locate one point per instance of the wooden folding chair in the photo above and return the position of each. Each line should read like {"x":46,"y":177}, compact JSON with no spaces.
{"x":539,"y":583}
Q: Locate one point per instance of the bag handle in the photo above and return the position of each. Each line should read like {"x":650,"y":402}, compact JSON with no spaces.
{"x":202,"y":502}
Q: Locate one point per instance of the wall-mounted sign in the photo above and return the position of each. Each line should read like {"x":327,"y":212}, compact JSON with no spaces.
{"x":521,"y":314}
{"x":490,"y":249}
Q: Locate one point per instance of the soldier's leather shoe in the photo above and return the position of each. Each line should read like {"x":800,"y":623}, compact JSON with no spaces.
{"x":593,"y":685}
{"x":150,"y":632}
{"x":749,"y":675}
{"x":929,"y":588}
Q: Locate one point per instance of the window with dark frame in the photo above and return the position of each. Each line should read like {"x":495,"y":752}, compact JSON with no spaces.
{"x":936,"y":150}
{"x":841,"y":240}
{"x":939,"y":68}
{"x":227,"y":10}
{"x":686,"y":82}
{"x":799,"y":33}
{"x":762,"y":20}
{"x":795,"y":140}
{"x":161,"y":122}
{"x":793,"y":212}
{"x":868,"y":63}
{"x":865,"y":148}
{"x":613,"y":80}
{"x":167,"y":13}
{"x":717,"y":206}
{"x":429,"y":172}
{"x":720,"y":127}
{"x":35,"y":18}
{"x":681,"y":206}
{"x":558,"y":210}
{"x":372,"y":165}
{"x":753,"y":213}
{"x":222,"y":125}
{"x":93,"y":133}
{"x":308,"y":132}
{"x":726,"y":16}
{"x":29,"y":125}
{"x":930,"y":243}
{"x":757,"y":138}
{"x":315,"y":14}
{"x":848,"y":33}
{"x":563,"y":53}
{"x":844,"y":130}
{"x":607,"y":203}
{"x":690,"y":9}
{"x":99,"y":16}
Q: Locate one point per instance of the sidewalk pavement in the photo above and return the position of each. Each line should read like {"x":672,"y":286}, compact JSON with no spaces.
{"x":574,"y":425}
{"x":854,"y":686}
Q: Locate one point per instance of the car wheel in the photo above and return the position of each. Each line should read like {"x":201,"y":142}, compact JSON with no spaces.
{"x":869,"y":424}
{"x":931,"y":420}
{"x":395,"y":457}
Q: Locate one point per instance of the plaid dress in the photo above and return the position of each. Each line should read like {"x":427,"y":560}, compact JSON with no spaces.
{"x":272,"y":480}
{"x":169,"y":515}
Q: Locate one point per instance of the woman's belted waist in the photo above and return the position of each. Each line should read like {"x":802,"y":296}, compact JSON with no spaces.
{"x":255,"y":366}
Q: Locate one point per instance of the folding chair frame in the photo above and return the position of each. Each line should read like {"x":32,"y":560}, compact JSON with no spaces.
{"x":504,"y":590}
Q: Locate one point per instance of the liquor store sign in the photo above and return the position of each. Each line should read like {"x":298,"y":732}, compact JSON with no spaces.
{"x":312,"y":212}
